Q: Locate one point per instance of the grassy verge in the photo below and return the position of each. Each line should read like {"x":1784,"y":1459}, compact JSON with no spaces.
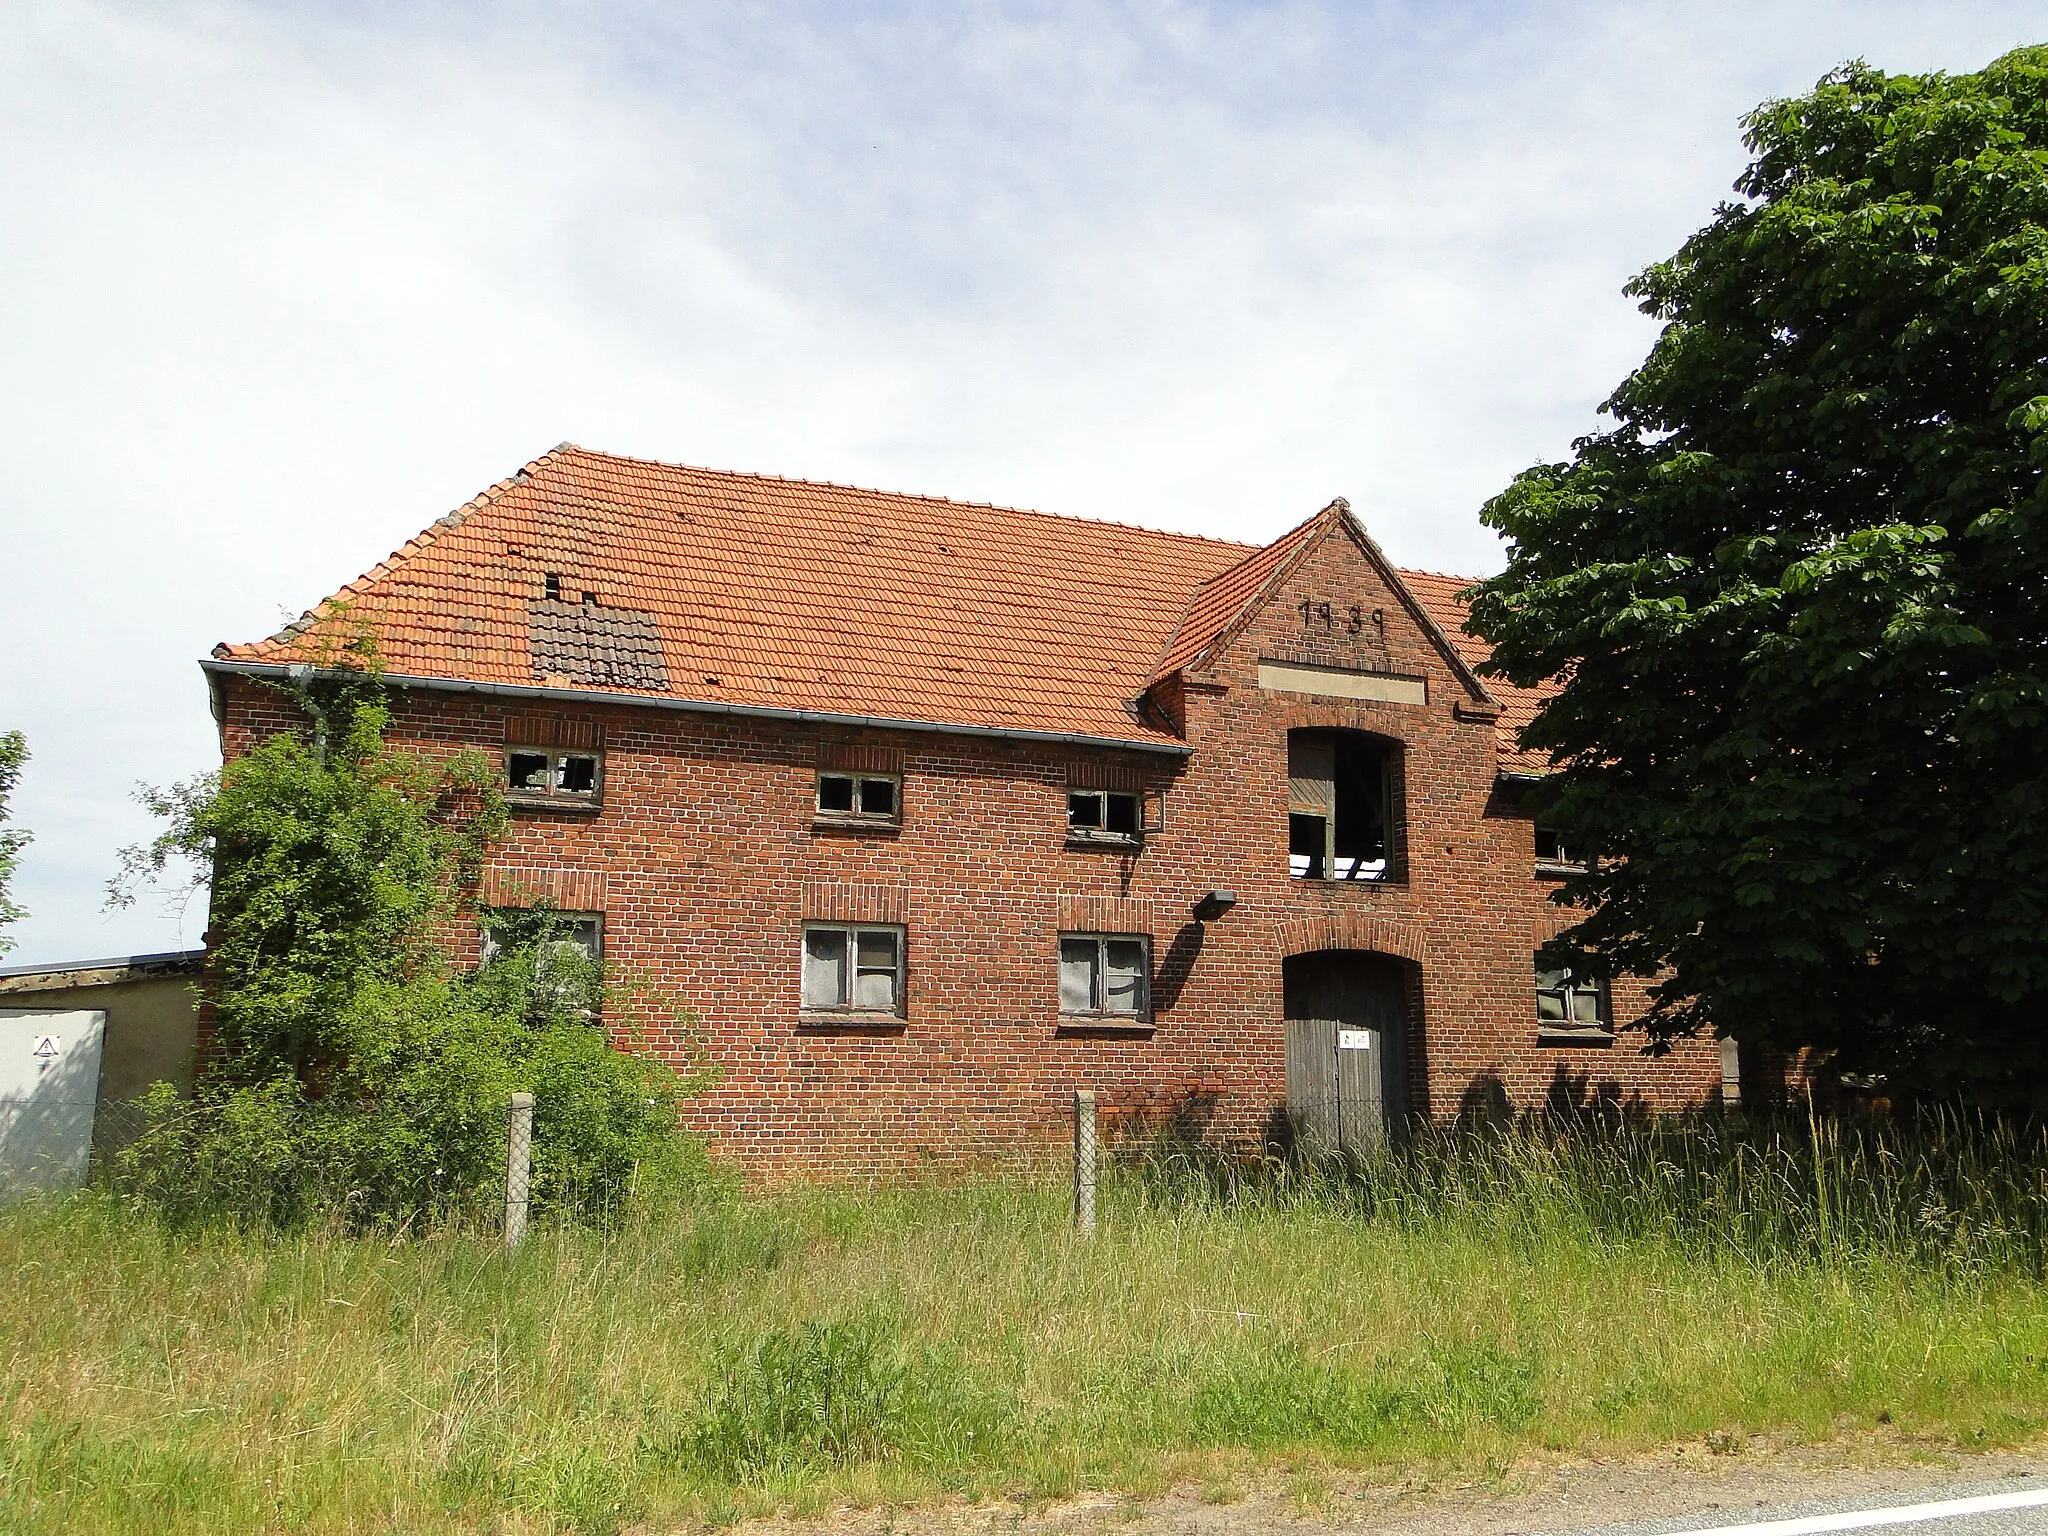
{"x":1453,"y":1312}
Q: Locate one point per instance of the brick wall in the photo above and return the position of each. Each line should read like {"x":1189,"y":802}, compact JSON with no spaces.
{"x":706,"y":861}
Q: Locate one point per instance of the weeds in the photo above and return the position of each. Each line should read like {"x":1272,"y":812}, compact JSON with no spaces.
{"x":1289,"y":1401}
{"x":1442,"y":1311}
{"x":828,"y":1395}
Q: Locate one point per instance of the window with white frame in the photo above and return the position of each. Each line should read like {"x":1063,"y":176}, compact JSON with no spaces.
{"x":567,"y":948}
{"x":860,"y":797}
{"x":548,"y":775}
{"x":1566,"y":1002}
{"x":853,"y":968}
{"x":1104,"y":976}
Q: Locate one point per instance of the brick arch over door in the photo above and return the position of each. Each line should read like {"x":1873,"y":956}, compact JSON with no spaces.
{"x":1374,"y":719}
{"x":1306,"y":935}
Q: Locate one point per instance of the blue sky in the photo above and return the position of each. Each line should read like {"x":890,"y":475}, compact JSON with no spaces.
{"x":280,"y":285}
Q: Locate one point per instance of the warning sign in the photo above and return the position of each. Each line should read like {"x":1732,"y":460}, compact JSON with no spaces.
{"x":47,"y":1047}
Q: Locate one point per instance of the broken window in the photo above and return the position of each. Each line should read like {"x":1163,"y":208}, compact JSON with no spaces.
{"x":858,"y":797}
{"x":852,"y":969}
{"x":1565,"y":1002}
{"x":1340,"y":790}
{"x":1104,"y":975}
{"x":1101,"y":813}
{"x":542,"y":774}
{"x":1555,"y":849}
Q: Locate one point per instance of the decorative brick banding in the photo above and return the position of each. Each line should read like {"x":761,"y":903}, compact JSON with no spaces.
{"x":1103,"y":914}
{"x":571,"y":890}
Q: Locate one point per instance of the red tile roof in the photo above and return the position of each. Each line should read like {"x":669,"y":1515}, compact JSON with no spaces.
{"x":790,"y":594}
{"x":1224,"y":596}
{"x":1439,"y":595}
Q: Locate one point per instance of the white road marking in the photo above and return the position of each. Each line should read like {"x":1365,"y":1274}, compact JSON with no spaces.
{"x":1870,"y":1519}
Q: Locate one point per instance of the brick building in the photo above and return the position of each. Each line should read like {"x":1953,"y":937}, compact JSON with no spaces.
{"x":933,"y":812}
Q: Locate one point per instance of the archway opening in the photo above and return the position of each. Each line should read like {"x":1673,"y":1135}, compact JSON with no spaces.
{"x":1343,"y":805}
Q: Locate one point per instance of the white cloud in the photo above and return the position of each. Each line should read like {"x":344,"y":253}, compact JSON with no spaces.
{"x":283,"y":285}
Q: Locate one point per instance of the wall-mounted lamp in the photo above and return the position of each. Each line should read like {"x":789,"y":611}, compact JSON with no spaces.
{"x":1214,"y":905}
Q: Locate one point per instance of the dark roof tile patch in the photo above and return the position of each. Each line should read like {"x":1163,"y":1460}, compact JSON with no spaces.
{"x":596,"y":647}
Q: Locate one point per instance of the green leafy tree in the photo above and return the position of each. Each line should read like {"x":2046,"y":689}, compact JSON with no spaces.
{"x":1796,"y":603}
{"x":352,"y":1068}
{"x":13,"y":755}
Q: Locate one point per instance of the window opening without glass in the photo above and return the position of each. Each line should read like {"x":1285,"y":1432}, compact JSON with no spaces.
{"x":859,"y":797}
{"x":1555,"y":849}
{"x":1104,"y":813}
{"x":540,"y":773}
{"x":1565,"y":1002}
{"x":1104,"y":976}
{"x":852,"y":968}
{"x":1339,"y":806}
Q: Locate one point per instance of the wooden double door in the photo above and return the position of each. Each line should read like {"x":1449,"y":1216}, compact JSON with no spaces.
{"x":1346,"y":1049}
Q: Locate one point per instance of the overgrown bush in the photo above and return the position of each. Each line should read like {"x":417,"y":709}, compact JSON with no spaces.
{"x":13,"y":753}
{"x":353,"y":1070}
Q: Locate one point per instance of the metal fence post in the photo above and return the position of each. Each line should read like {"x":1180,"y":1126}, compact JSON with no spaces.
{"x":518,"y":1166}
{"x":1084,"y":1161}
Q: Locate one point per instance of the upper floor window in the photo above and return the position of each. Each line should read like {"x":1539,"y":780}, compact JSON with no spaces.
{"x":853,"y":968}
{"x":1104,"y":976}
{"x":860,"y":797}
{"x":1565,"y":1002}
{"x":1558,"y":850}
{"x":546,"y":775}
{"x":1341,"y":814}
{"x":1102,"y":813}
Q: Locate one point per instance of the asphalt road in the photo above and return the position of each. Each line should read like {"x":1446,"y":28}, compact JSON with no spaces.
{"x":1762,"y":1490}
{"x":2010,"y":1507}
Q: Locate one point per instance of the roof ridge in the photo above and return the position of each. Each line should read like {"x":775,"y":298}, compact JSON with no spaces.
{"x":875,"y":490}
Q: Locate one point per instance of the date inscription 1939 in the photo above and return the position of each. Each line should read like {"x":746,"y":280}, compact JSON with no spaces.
{"x":1328,"y":617}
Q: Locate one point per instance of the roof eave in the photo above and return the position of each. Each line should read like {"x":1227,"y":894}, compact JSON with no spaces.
{"x":279,"y":671}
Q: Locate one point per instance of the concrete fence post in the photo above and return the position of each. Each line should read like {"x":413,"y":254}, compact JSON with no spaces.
{"x":518,"y":1166}
{"x":1084,"y":1161}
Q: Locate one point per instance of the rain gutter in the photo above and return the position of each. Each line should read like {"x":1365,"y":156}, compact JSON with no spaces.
{"x":271,"y":671}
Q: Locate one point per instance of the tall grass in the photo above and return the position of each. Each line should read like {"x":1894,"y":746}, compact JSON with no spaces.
{"x":1453,"y":1307}
{"x":1942,"y":1188}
